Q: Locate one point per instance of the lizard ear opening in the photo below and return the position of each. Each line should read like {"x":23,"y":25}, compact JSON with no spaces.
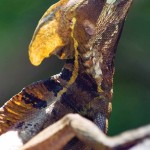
{"x":46,"y":39}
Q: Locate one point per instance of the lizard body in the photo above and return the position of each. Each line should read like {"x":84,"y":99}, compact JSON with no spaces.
{"x":86,"y":33}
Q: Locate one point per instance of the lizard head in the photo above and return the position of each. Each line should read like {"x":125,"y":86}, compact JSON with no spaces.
{"x":95,"y":26}
{"x":98,"y":29}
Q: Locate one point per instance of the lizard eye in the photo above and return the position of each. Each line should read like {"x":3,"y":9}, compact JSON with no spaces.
{"x":89,"y":27}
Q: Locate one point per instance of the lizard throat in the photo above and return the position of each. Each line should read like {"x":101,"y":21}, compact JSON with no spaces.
{"x":76,"y":63}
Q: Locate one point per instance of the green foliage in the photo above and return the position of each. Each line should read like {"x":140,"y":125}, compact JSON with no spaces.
{"x":131,"y":101}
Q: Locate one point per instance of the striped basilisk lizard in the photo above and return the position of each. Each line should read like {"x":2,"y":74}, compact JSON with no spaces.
{"x":85,"y":33}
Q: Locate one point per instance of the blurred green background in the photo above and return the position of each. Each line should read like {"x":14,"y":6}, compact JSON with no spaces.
{"x":131,"y":101}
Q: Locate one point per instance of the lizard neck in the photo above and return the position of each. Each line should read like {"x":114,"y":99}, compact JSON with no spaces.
{"x":100,"y":65}
{"x":81,"y":95}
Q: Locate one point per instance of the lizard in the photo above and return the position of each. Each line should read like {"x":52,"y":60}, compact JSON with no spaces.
{"x":84,"y":33}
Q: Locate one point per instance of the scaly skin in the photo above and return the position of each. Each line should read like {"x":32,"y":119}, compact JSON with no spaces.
{"x":87,"y":35}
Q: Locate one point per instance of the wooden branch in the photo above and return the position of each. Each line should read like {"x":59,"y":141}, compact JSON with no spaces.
{"x":56,"y":136}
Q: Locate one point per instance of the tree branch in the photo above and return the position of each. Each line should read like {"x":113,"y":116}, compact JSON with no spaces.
{"x":60,"y":133}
